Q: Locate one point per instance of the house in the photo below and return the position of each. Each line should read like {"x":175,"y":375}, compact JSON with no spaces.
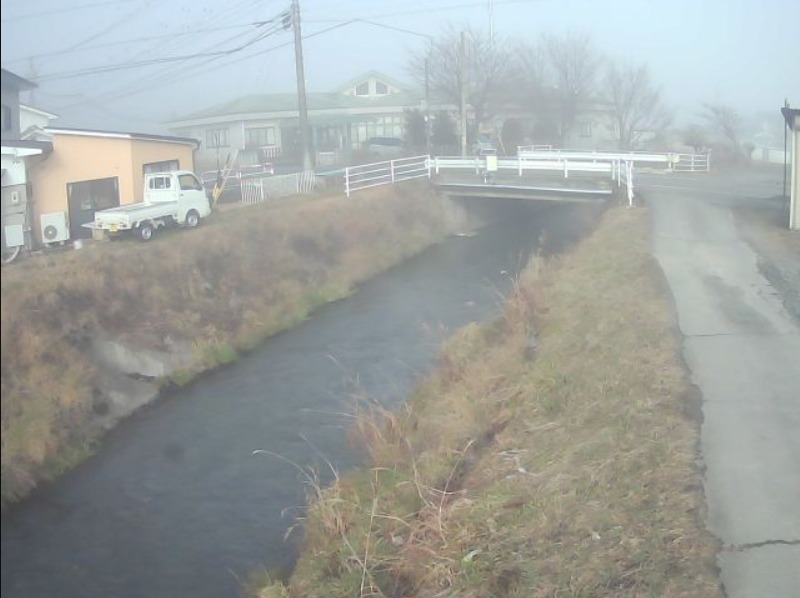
{"x":16,"y":157}
{"x":792,"y":118}
{"x":89,"y":170}
{"x":262,"y":127}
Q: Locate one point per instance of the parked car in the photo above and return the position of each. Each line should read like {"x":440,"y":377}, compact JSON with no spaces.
{"x":385,"y":147}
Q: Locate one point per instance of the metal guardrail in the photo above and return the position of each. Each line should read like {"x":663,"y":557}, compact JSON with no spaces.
{"x":375,"y":174}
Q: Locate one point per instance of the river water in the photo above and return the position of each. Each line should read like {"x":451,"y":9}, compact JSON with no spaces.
{"x":176,"y":503}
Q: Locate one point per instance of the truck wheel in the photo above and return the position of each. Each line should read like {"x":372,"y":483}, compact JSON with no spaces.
{"x":145,"y":231}
{"x":192,"y":219}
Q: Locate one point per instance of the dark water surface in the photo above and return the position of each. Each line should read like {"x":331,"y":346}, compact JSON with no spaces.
{"x":176,"y":504}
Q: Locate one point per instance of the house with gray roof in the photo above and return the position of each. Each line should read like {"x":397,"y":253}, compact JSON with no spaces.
{"x":260,"y":128}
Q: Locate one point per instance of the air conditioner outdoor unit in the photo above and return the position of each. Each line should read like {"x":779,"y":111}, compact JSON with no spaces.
{"x":54,"y":227}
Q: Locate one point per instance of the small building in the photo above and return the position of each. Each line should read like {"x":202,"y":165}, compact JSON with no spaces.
{"x":95,"y":170}
{"x":792,"y":118}
{"x":17,"y":156}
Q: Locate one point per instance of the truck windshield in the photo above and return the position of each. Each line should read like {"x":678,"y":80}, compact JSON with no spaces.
{"x":189,"y":183}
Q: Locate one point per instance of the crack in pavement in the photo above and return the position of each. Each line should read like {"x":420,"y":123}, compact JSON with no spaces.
{"x":748,"y":546}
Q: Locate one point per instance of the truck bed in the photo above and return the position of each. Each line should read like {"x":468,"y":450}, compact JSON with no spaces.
{"x":129,"y":215}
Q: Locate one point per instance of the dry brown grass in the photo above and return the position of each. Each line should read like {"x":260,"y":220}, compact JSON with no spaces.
{"x":244,"y":275}
{"x":565,"y":473}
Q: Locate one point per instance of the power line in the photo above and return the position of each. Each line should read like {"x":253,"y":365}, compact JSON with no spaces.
{"x":133,"y":41}
{"x":128,"y":65}
{"x":47,"y":13}
{"x":191,"y":71}
{"x":427,"y":9}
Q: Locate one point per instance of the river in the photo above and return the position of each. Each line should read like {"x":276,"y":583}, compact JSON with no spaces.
{"x":175,"y":503}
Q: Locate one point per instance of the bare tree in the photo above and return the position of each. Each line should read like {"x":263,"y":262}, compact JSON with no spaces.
{"x":487,"y":68}
{"x":725,"y":122}
{"x":636,"y":103}
{"x":573,"y":62}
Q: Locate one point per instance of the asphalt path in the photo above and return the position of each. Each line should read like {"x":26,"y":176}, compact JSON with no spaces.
{"x":743,"y":350}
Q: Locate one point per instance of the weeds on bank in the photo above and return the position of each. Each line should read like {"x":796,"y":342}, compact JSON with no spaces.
{"x":529,"y":465}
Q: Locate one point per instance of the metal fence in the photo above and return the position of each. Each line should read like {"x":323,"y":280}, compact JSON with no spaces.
{"x":365,"y":176}
{"x":692,"y":163}
{"x":257,"y":190}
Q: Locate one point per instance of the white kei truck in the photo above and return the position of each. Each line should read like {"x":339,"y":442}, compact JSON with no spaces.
{"x":175,"y":197}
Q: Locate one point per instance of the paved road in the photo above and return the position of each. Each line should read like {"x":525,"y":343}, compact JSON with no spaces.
{"x":743,"y":350}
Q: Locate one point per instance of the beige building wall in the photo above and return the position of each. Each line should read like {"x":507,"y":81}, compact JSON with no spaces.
{"x":147,"y":152}
{"x":78,"y":158}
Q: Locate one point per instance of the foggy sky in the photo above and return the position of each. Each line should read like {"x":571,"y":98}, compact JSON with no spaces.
{"x":739,"y":52}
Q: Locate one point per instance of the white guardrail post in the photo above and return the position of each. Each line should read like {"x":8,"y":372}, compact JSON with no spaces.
{"x":629,"y":173}
{"x":391,"y":170}
{"x":347,"y":181}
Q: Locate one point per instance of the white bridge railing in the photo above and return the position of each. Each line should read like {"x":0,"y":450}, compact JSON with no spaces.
{"x":617,"y":166}
{"x":365,"y":176}
{"x":675,"y":161}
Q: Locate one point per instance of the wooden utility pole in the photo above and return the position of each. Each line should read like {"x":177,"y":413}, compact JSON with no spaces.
{"x":302,"y":105}
{"x":463,"y":66}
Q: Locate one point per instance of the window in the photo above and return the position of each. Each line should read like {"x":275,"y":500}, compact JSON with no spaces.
{"x":189,"y":182}
{"x":160,"y":182}
{"x":164,"y":166}
{"x":363,"y":89}
{"x":260,"y":136}
{"x":381,"y":88}
{"x":217,"y":138}
{"x":585,"y":129}
{"x":7,"y":118}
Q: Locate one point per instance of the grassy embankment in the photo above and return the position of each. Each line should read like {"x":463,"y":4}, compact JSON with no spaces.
{"x":244,"y":275}
{"x":561,"y":470}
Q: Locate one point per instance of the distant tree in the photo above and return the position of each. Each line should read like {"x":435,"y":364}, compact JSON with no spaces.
{"x":487,"y":69}
{"x":573,"y":62}
{"x":636,"y":103}
{"x":724,"y":120}
{"x":696,"y":137}
{"x":444,"y":131}
{"x":415,"y":128}
{"x":512,"y":135}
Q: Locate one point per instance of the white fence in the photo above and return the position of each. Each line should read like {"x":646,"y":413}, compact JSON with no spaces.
{"x":257,"y":190}
{"x":692,"y":163}
{"x":365,"y":176}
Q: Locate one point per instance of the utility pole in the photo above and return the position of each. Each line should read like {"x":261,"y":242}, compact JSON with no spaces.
{"x":427,"y":106}
{"x":491,"y":23}
{"x":302,"y":104}
{"x":463,"y":66}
